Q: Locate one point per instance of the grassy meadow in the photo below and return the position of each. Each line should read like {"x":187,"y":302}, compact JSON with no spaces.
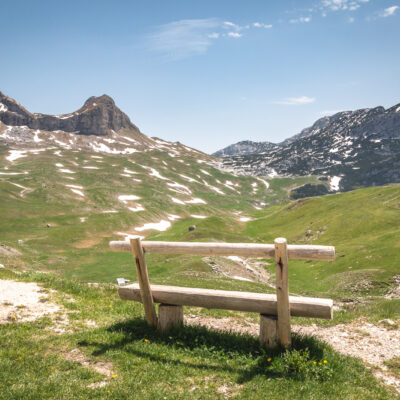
{"x":47,"y":227}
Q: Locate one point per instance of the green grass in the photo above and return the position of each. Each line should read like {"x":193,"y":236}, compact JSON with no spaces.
{"x":394,"y":366}
{"x":191,"y":362}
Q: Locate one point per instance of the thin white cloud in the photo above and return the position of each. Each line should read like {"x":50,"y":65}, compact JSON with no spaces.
{"x":261,"y":25}
{"x":350,"y":20}
{"x":300,"y":20}
{"x":341,"y":5}
{"x":235,"y":35}
{"x":183,"y":38}
{"x":290,"y":101}
{"x":231,"y":25}
{"x":387,"y":12}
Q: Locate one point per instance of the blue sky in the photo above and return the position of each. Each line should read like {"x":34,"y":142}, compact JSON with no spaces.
{"x":205,"y":73}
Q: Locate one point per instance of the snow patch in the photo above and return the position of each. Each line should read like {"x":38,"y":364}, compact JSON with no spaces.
{"x":74,"y":186}
{"x":155,"y":173}
{"x":36,"y":137}
{"x":334,"y":183}
{"x":184,"y":188}
{"x":66,"y":171}
{"x":127,"y":197}
{"x":198,"y":216}
{"x":195,"y":200}
{"x":158,"y":226}
{"x":136,"y":209}
{"x":173,"y":217}
{"x":188,"y":178}
{"x":13,"y":173}
{"x":215,"y":189}
{"x":15,"y":154}
{"x":78,"y":192}
{"x":177,"y":201}
{"x":273,"y":173}
{"x":128,"y":171}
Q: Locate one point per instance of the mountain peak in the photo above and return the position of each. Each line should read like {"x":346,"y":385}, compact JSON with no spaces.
{"x":103,"y":99}
{"x":98,"y":116}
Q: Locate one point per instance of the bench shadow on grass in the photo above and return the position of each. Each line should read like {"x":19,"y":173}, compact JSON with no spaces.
{"x":228,"y":345}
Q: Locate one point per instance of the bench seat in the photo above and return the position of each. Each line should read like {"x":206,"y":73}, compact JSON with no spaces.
{"x":230,"y":300}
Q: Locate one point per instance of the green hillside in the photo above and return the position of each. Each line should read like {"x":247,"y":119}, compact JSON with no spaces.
{"x":48,"y":227}
{"x":65,"y":206}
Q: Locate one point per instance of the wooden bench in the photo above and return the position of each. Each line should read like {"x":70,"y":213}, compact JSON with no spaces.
{"x":274,"y":309}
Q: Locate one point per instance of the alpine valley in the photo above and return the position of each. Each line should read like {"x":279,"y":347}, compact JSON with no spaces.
{"x":71,"y":183}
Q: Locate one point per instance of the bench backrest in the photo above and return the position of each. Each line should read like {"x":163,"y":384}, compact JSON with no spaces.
{"x":279,"y":250}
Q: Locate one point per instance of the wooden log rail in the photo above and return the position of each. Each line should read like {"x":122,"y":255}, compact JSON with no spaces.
{"x":297,"y":252}
{"x":275,"y":310}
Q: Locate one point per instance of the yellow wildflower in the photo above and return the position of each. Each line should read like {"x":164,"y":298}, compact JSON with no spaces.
{"x":325,"y":362}
{"x":145,"y":340}
{"x":114,"y":376}
{"x":269,"y":359}
{"x":314,"y":362}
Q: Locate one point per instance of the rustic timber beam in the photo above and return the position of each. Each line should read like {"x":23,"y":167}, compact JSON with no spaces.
{"x":230,"y":300}
{"x":294,"y":251}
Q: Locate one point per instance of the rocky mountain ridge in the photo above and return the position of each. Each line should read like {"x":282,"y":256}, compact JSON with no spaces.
{"x":99,"y":126}
{"x":98,"y":116}
{"x":351,"y":148}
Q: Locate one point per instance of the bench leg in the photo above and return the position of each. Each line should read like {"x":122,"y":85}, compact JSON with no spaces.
{"x":169,"y":316}
{"x":268,"y":330}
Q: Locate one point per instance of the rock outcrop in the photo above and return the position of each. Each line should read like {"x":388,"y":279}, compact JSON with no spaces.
{"x":98,"y":116}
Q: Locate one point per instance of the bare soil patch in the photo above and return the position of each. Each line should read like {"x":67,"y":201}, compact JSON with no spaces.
{"x":23,"y":301}
{"x":103,"y":368}
{"x":8,"y":251}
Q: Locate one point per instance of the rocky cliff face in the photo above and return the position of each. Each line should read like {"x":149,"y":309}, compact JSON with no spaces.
{"x":353,"y":148}
{"x":245,"y":147}
{"x":98,"y":116}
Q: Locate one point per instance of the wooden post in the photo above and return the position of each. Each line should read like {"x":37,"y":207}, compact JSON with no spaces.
{"x":268,"y":330}
{"x":282,"y":291}
{"x":144,"y":283}
{"x":169,"y":316}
